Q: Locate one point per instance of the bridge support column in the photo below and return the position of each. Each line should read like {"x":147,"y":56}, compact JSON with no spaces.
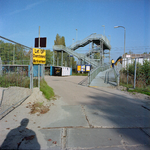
{"x":79,"y":61}
{"x":69,"y":61}
{"x":61,"y":58}
{"x":109,"y":57}
{"x":57,"y":58}
{"x":101,"y":53}
{"x":65,"y":59}
{"x":53,"y":58}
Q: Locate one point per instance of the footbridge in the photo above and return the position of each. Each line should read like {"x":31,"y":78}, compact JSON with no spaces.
{"x":99,"y":44}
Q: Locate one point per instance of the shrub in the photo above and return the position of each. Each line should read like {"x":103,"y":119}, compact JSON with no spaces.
{"x":142,"y":73}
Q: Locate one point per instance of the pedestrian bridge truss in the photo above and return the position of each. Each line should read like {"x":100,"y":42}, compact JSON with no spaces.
{"x":99,"y":44}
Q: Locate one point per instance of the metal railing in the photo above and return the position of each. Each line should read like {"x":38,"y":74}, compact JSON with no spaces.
{"x":75,"y":54}
{"x":14,"y":79}
{"x":136,"y":71}
{"x":112,"y":77}
{"x":84,"y":42}
{"x":94,"y":72}
{"x":89,"y":39}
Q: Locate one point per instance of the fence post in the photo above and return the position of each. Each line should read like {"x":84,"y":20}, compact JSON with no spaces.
{"x":0,"y":67}
{"x":31,"y":69}
{"x":39,"y":76}
{"x":108,"y":77}
{"x":127,"y":70}
{"x":135,"y":74}
{"x":105,"y":77}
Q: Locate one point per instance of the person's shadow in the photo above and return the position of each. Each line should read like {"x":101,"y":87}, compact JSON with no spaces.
{"x":21,"y":138}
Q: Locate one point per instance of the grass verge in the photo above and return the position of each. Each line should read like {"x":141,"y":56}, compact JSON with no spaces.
{"x":140,"y":90}
{"x":79,"y":74}
{"x":23,"y":81}
{"x":46,"y":90}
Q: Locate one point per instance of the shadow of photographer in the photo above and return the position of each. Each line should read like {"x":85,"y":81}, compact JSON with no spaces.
{"x":21,"y":138}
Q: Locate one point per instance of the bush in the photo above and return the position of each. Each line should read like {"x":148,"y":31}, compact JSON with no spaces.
{"x":142,"y":73}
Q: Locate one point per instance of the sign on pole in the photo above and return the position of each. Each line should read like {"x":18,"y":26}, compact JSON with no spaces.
{"x":40,"y":42}
{"x":39,"y":56}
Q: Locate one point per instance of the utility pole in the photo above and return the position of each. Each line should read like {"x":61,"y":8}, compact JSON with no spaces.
{"x":39,"y":64}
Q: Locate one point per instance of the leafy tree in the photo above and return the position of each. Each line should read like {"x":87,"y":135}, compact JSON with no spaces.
{"x":59,"y":40}
{"x":145,"y":53}
{"x":49,"y":57}
{"x":130,"y":52}
{"x":97,"y":55}
{"x":9,"y":51}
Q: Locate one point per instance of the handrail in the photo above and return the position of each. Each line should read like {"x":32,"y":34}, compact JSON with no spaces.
{"x":89,"y":39}
{"x":80,"y":56}
{"x":93,"y":73}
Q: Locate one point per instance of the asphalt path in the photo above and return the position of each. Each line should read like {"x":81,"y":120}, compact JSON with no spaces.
{"x":81,"y":118}
{"x":109,"y":113}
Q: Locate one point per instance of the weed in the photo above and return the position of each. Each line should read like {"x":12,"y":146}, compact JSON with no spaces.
{"x":38,"y":107}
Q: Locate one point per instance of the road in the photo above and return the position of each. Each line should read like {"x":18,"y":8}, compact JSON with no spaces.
{"x":84,"y":118}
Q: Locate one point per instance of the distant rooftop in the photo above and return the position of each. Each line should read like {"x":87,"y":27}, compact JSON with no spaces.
{"x":136,"y":55}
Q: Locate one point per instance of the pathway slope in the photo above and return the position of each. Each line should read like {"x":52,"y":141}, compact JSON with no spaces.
{"x":81,"y":118}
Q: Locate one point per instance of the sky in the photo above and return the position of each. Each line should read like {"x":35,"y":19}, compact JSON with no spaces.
{"x":20,"y":21}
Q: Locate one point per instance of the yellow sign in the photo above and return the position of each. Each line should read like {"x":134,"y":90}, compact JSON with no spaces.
{"x":78,"y":67}
{"x":39,"y":56}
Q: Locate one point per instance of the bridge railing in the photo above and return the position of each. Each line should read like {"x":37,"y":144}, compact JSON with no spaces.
{"x":89,"y":38}
{"x":112,"y":77}
{"x":94,"y":72}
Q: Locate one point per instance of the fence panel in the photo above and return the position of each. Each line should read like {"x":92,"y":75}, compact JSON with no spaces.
{"x":14,"y":79}
{"x":135,"y":72}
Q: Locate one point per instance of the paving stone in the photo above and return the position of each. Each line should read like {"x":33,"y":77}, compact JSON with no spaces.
{"x":114,"y":117}
{"x":106,"y":138}
{"x":52,"y":138}
{"x":68,"y":116}
{"x":147,"y":131}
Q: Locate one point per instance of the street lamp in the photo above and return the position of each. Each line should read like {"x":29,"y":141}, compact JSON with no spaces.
{"x":76,"y":34}
{"x":110,"y":37}
{"x":124,"y":36}
{"x":104,"y":29}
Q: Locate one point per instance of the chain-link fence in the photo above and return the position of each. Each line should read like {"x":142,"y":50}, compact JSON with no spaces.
{"x":15,"y":82}
{"x":135,"y":71}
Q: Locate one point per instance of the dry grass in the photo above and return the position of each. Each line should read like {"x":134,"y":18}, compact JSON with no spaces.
{"x":38,"y":108}
{"x":139,"y":82}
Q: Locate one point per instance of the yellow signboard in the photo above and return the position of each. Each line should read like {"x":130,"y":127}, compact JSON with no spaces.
{"x":78,"y":67}
{"x":39,"y":56}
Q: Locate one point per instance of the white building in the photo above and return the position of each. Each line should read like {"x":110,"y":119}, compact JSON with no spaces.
{"x":130,"y":58}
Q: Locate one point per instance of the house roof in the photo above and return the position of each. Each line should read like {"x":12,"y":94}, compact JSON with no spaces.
{"x":136,"y":55}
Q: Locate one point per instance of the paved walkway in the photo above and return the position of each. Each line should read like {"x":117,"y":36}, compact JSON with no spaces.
{"x":82,"y":118}
{"x":104,"y":79}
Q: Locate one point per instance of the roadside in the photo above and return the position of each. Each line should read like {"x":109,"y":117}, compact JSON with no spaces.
{"x":80,"y":118}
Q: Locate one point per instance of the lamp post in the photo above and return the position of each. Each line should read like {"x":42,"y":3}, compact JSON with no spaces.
{"x":110,"y":37}
{"x":76,"y":35}
{"x":124,"y":36}
{"x":104,"y":29}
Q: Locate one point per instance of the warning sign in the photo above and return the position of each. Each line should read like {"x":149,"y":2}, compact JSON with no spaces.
{"x":39,"y":56}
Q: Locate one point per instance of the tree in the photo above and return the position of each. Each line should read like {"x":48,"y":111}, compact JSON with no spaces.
{"x":49,"y":57}
{"x":97,"y":55}
{"x":59,"y":40}
{"x":16,"y":52}
{"x":130,"y":52}
{"x":145,"y":53}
